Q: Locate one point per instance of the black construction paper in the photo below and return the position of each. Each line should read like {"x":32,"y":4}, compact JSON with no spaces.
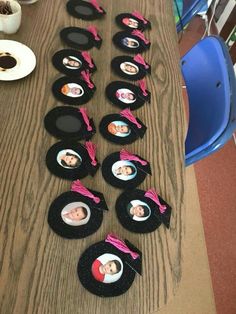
{"x":83,"y":10}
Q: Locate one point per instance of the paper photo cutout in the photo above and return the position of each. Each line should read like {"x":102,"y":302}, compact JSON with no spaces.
{"x":85,"y":10}
{"x":131,"y":21}
{"x":76,"y":214}
{"x":69,"y":159}
{"x":69,"y":123}
{"x":138,"y":210}
{"x":119,"y":128}
{"x":133,"y":42}
{"x":124,"y":170}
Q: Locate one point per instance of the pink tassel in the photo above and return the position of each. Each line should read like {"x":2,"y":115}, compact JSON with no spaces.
{"x":138,"y":58}
{"x":83,"y":111}
{"x":125,"y":155}
{"x":93,"y":30}
{"x":128,"y":115}
{"x":87,"y":58}
{"x":142,"y":85}
{"x":139,"y":16}
{"x":120,"y":245}
{"x":140,"y":35}
{"x":153,"y":196}
{"x":78,"y":187}
{"x":91,"y":149}
{"x":96,"y":6}
{"x":86,"y":76}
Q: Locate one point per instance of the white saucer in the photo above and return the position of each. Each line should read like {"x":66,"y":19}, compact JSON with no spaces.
{"x":24,"y":56}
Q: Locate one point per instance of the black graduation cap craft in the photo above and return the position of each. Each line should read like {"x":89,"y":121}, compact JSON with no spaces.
{"x":85,"y":10}
{"x":122,"y":128}
{"x":81,"y":38}
{"x":69,"y":123}
{"x":77,"y":213}
{"x":134,"y":20}
{"x":72,"y":62}
{"x":125,"y":170}
{"x":131,"y":68}
{"x":142,"y":211}
{"x":134,"y":41}
{"x":128,"y":95}
{"x":71,"y":160}
{"x":74,"y":91}
{"x":108,"y":268}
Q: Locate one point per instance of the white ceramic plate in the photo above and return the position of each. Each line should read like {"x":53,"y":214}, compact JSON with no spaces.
{"x":24,"y":56}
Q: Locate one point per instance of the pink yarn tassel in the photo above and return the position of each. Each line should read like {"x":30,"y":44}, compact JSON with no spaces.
{"x":139,"y":16}
{"x":138,"y":58}
{"x":140,"y":35}
{"x":78,"y":187}
{"x":83,"y":111}
{"x":128,"y":115}
{"x":153,"y":196}
{"x":96,"y":6}
{"x":142,"y":85}
{"x":120,"y":245}
{"x":93,"y":30}
{"x":86,"y":76}
{"x":125,"y":155}
{"x":87,"y":58}
{"x":91,"y":149}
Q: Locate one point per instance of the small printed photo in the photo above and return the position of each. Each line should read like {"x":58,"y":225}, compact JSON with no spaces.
{"x":69,"y":159}
{"x":124,"y":170}
{"x":130,"y":42}
{"x":72,"y":63}
{"x":138,"y":210}
{"x":72,"y":90}
{"x":129,"y":68}
{"x":125,"y":95}
{"x":107,"y":268}
{"x":7,"y":61}
{"x":132,"y":23}
{"x":76,"y":214}
{"x":119,"y":128}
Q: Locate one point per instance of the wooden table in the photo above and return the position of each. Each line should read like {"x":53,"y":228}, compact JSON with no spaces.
{"x":38,"y":268}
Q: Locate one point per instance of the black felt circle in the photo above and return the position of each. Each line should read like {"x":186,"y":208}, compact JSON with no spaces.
{"x":86,"y":92}
{"x":130,"y":43}
{"x":65,"y":230}
{"x":126,"y":220}
{"x":61,"y":58}
{"x":122,"y":64}
{"x":83,"y":10}
{"x":123,"y":24}
{"x":119,"y":183}
{"x":139,"y":99}
{"x":99,"y":288}
{"x":79,"y":38}
{"x":107,"y":120}
{"x":67,"y":123}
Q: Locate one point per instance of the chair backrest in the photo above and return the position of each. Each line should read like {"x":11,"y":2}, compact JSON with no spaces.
{"x":211,"y":86}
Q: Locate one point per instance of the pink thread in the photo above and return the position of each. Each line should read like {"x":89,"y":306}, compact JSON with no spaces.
{"x":153,"y":196}
{"x":91,"y":149}
{"x":87,"y":58}
{"x":78,"y":187}
{"x":93,"y":30}
{"x":125,"y":155}
{"x":140,"y":35}
{"x":128,"y":115}
{"x":139,"y":16}
{"x":120,"y":245}
{"x":142,"y":85}
{"x":96,"y":6}
{"x":86,"y":76}
{"x":138,"y":58}
{"x":83,"y":111}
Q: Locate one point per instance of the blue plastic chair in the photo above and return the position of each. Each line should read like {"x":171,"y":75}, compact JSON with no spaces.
{"x":211,"y":86}
{"x":187,"y":9}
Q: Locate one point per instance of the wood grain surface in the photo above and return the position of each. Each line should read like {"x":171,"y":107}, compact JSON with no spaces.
{"x":37,"y":267}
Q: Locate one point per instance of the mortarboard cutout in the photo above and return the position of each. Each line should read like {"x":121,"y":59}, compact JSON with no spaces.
{"x":125,"y":170}
{"x":77,"y":213}
{"x":134,"y":20}
{"x":142,"y":211}
{"x":127,"y":95}
{"x":131,"y":41}
{"x":71,"y":160}
{"x":108,"y":268}
{"x":85,"y":10}
{"x":72,"y":62}
{"x":122,"y":128}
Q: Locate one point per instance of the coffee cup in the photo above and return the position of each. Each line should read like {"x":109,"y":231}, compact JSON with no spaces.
{"x":10,"y":23}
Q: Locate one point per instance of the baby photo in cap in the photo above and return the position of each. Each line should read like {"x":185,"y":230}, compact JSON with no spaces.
{"x":68,"y":158}
{"x":125,"y":95}
{"x":119,"y":128}
{"x":124,"y":170}
{"x":131,"y":21}
{"x":72,"y":90}
{"x":138,"y":210}
{"x":76,"y":214}
{"x":131,"y":41}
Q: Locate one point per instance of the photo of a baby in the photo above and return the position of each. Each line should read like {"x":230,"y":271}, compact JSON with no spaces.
{"x":76,"y":214}
{"x":124,"y":170}
{"x":72,"y":90}
{"x":69,"y":159}
{"x":119,"y":128}
{"x":138,"y":210}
